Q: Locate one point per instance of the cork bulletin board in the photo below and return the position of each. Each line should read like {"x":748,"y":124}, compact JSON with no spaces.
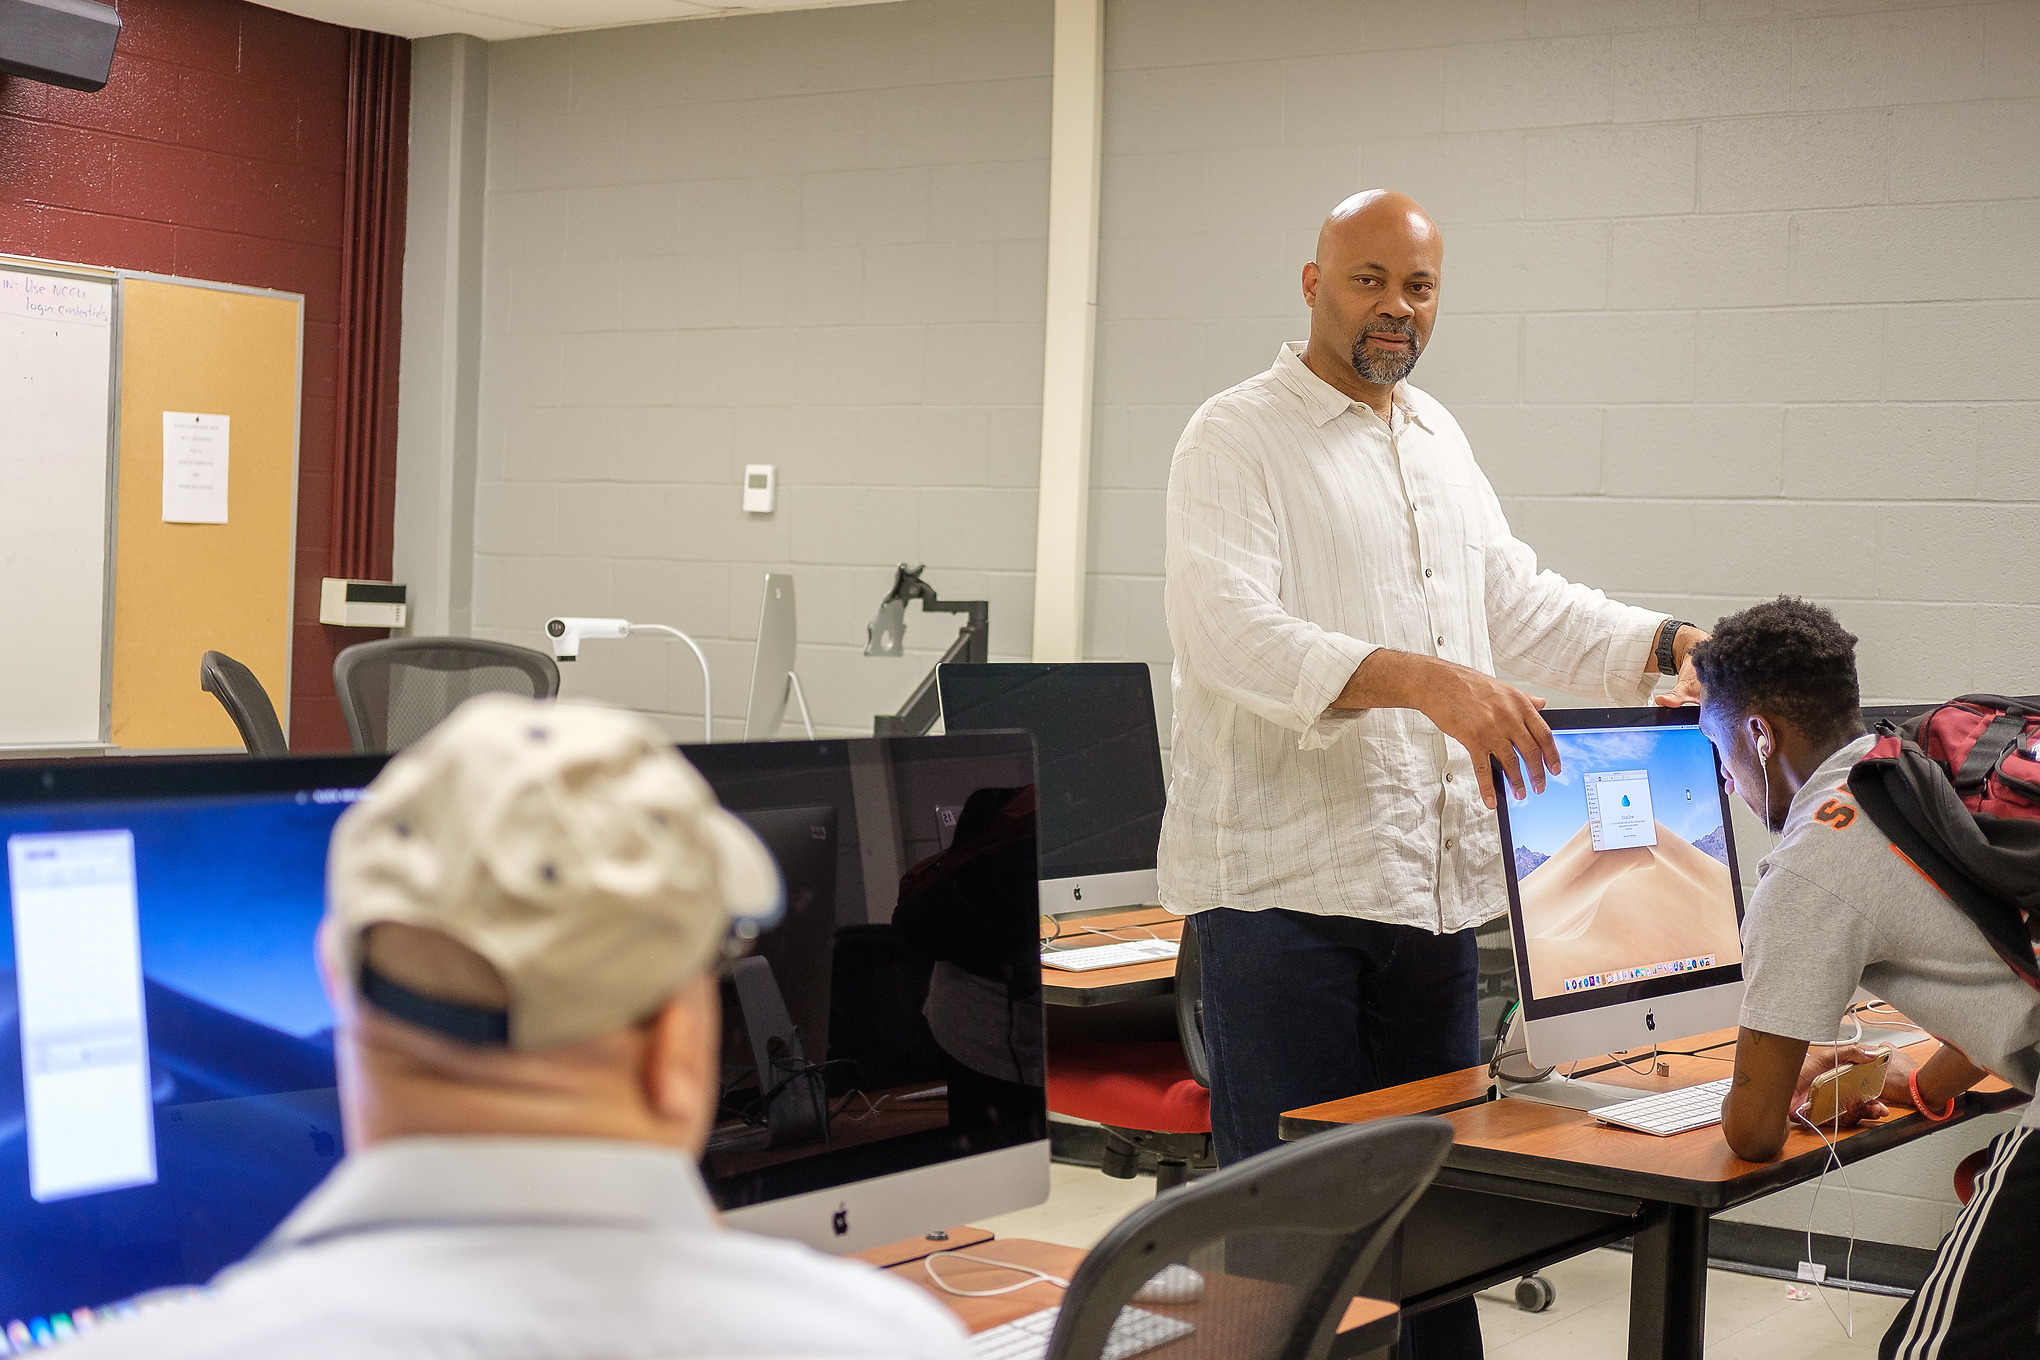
{"x":182,"y":589}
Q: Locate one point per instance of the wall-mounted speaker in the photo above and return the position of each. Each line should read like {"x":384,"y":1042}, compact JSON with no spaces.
{"x":59,"y":42}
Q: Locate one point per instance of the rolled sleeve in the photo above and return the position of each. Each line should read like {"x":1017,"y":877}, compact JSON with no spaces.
{"x":1632,"y":647}
{"x":1326,"y":669}
{"x":1558,"y":632}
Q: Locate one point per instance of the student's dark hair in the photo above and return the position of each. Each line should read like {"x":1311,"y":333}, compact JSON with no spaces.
{"x":1785,"y":657}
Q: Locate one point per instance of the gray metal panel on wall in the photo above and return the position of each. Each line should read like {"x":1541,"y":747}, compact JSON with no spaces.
{"x":439,"y":390}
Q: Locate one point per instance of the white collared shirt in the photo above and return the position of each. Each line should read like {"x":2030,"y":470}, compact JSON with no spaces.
{"x":532,"y":1249}
{"x":1304,"y":532}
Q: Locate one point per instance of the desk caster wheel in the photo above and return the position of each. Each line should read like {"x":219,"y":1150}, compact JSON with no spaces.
{"x":1534,"y":1294}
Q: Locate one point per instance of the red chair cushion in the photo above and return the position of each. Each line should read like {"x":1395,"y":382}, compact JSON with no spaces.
{"x":1966,"y":1172}
{"x":1132,"y":1084}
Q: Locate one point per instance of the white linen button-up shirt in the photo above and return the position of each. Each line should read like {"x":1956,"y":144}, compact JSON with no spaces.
{"x":532,"y":1249}
{"x":1304,"y":532}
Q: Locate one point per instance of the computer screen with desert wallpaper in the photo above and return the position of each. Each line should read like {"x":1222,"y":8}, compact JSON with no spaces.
{"x":1622,"y":865}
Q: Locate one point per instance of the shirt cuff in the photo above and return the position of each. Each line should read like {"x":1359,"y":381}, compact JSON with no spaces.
{"x":1631,"y":655}
{"x":1331,"y":663}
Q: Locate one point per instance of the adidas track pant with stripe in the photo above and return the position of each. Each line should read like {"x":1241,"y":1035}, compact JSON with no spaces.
{"x":1981,"y":1300}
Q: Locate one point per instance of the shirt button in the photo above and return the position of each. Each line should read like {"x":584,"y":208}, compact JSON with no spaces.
{"x":1441,"y":641}
{"x":1427,"y":573}
{"x":1448,"y":776}
{"x":1448,"y":845}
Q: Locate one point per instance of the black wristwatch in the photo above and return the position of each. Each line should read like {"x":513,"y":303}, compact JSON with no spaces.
{"x":1667,"y":659}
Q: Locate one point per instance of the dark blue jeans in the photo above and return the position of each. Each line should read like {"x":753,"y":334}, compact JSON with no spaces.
{"x":1300,"y":1009}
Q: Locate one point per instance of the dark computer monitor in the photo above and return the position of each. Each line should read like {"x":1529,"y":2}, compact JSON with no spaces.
{"x":1102,"y":788}
{"x":885,"y":1074}
{"x":1623,"y":894}
{"x":166,"y":1059}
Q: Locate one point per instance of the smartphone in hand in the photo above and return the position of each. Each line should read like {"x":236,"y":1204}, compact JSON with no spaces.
{"x":1836,"y":1090}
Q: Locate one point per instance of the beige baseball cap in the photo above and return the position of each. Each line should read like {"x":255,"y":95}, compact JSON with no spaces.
{"x":568,"y":844}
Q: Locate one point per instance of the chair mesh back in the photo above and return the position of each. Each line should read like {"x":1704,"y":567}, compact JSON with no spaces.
{"x":395,"y":691}
{"x":1280,"y":1244}
{"x":246,"y":702}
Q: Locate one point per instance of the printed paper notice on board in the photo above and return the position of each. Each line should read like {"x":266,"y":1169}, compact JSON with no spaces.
{"x":194,"y":468}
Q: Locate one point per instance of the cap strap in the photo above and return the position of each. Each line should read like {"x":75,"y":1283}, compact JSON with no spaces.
{"x":469,"y":1024}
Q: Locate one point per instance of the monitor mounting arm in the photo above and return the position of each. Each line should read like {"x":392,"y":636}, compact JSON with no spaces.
{"x":884,"y":637}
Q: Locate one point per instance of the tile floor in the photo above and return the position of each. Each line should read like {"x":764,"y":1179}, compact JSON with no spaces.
{"x":1748,"y":1317}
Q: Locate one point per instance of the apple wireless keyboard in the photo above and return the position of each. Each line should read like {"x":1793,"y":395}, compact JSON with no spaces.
{"x":1669,"y":1112}
{"x":1133,"y":1331}
{"x":1109,"y":955}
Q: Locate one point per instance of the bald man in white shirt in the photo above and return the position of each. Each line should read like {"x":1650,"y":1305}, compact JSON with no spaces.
{"x":1341,"y":585}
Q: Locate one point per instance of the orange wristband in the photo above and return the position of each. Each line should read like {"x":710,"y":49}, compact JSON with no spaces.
{"x":1912,"y":1084}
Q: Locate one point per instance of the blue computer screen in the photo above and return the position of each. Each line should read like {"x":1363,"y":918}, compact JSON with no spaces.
{"x":1621,"y":871}
{"x":166,"y":1058}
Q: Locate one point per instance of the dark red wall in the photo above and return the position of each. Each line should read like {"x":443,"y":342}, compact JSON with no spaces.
{"x":219,"y":151}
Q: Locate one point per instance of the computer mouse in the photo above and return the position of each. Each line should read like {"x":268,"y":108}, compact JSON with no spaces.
{"x":1171,"y":1284}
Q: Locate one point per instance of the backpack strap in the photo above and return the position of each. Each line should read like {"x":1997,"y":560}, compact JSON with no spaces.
{"x":1992,"y":744}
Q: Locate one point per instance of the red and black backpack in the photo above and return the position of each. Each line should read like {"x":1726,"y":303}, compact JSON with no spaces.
{"x":1957,"y":790}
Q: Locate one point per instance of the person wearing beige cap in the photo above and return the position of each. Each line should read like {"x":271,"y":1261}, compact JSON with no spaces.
{"x":525,"y":914}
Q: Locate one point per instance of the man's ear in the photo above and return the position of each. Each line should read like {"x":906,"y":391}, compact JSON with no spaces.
{"x":1311,"y":275}
{"x":682,"y":1057}
{"x":1763,"y":740}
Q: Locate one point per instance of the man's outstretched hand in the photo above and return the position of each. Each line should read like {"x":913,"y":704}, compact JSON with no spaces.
{"x":1487,"y":717}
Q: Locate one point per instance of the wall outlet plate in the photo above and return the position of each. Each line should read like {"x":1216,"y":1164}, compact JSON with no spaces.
{"x":761,"y":484}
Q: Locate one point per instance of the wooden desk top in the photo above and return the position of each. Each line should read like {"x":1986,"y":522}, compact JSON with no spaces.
{"x":1556,"y":1146}
{"x":1214,"y":1337}
{"x":1104,"y":986}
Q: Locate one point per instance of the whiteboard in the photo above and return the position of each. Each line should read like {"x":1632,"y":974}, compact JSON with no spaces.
{"x":56,"y":402}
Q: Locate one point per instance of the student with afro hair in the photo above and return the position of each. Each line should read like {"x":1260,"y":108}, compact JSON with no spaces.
{"x":1837,"y":907}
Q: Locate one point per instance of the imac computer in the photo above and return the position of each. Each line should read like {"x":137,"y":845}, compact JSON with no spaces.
{"x":1623,"y":895}
{"x":883,"y":1061}
{"x":1102,"y":788}
{"x":166,"y":1065}
{"x":773,"y":681}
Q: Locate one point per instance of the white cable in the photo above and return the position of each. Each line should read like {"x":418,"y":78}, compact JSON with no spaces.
{"x":1100,"y":930}
{"x":1849,"y":1260}
{"x":1856,"y":1038}
{"x":1034,"y":1276}
{"x":707,"y":683}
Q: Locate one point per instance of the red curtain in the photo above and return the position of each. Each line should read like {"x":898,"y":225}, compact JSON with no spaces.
{"x":371,"y":294}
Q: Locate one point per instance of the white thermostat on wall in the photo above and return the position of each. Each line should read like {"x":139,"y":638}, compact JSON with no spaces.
{"x":760,"y":484}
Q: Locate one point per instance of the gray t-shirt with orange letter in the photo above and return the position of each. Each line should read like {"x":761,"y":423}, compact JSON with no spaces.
{"x":1837,"y":906}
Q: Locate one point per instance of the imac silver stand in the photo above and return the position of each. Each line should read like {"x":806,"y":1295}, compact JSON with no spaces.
{"x":799,"y":697}
{"x":1516,"y":1079}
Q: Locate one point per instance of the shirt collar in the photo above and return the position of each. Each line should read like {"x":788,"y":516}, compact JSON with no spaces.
{"x":1324,"y":402}
{"x":468,"y":1182}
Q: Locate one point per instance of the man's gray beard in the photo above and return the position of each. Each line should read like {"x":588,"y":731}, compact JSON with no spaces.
{"x":1385,"y":369}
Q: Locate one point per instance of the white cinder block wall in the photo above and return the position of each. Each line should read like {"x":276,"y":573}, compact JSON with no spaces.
{"x":816,"y":240}
{"x":1741,"y":297}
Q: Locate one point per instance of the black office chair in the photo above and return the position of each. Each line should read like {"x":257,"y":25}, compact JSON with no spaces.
{"x":1283,"y":1241}
{"x":394,"y":691}
{"x":246,"y":702}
